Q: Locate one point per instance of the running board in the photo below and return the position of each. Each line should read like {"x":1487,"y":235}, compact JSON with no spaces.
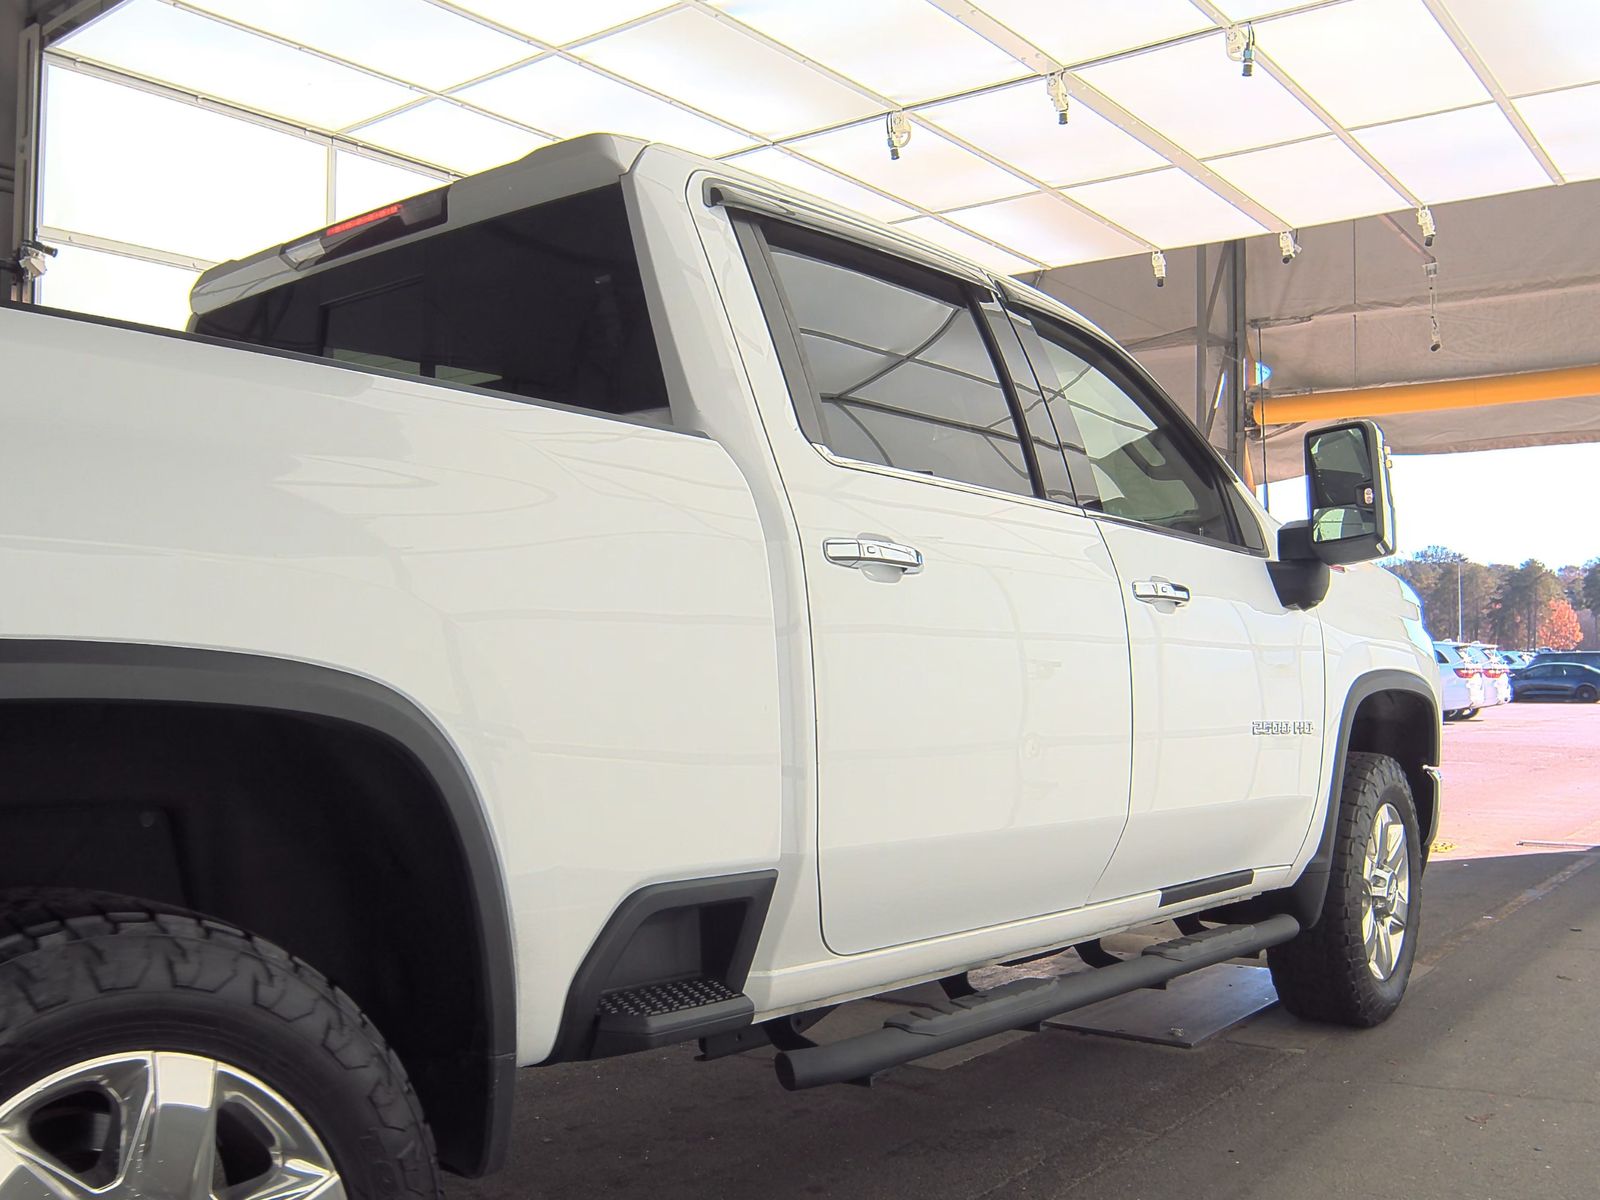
{"x":1017,"y":1005}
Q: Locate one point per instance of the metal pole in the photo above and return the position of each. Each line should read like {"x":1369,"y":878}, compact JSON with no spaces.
{"x":1458,"y":600}
{"x":1202,"y":341}
{"x":1238,"y":352}
{"x":22,"y":228}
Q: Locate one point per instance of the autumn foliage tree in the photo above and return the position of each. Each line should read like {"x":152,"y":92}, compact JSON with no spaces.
{"x":1560,"y":629}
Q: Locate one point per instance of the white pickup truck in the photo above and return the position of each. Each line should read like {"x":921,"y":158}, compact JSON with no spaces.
{"x":611,"y":601}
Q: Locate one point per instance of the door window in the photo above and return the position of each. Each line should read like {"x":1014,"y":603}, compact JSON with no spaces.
{"x":899,"y":369}
{"x":1130,"y":456}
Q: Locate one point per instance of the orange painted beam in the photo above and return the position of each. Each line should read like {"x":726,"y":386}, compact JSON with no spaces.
{"x":1562,"y":384}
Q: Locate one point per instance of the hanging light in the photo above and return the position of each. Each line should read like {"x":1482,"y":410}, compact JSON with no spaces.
{"x":1241,"y":46}
{"x":898,"y":127}
{"x":1425,"y":223}
{"x":1287,"y":246}
{"x":1158,"y":266}
{"x":1056,"y":84}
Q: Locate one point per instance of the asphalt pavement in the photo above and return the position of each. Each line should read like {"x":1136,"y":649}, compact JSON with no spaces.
{"x":1486,"y":1083}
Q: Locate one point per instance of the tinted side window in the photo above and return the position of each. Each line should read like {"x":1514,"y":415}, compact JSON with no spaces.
{"x":901,"y":371}
{"x":545,"y":303}
{"x":1129,"y":457}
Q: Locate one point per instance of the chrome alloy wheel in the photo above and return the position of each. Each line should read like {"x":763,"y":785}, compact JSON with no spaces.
{"x":1386,"y":867}
{"x":159,"y":1126}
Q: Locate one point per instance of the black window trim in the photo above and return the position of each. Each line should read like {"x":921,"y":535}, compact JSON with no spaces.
{"x":750,"y":230}
{"x":1137,"y":380}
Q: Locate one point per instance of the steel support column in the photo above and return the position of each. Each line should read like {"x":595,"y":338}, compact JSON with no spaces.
{"x":12,"y":20}
{"x":1238,"y":357}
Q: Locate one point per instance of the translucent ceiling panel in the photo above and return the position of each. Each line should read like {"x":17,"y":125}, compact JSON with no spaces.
{"x":1372,"y":60}
{"x":787,"y":169}
{"x":1567,"y":125}
{"x":906,"y":50}
{"x":1533,"y":45}
{"x":1451,"y":156}
{"x":1310,"y":183}
{"x":710,"y":64}
{"x":1245,"y":10}
{"x":967,"y":246}
{"x":568,"y":99}
{"x":1018,"y":124}
{"x":1195,"y":95}
{"x":361,"y":184}
{"x":193,"y":51}
{"x":1042,"y":227}
{"x":410,"y":39}
{"x":127,"y":165}
{"x":1168,"y":208}
{"x":932,"y":171}
{"x":109,"y":285}
{"x":560,"y":22}
{"x":1075,"y":31}
{"x":450,"y":136}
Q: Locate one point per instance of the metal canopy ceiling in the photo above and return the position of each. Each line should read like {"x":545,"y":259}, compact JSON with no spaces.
{"x":1517,"y":289}
{"x":1355,"y":106}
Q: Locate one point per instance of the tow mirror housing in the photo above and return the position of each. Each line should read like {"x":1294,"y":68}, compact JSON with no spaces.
{"x":1351,"y":507}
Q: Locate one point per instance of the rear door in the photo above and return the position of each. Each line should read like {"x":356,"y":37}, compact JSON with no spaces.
{"x":1227,"y":682}
{"x":972,"y":675}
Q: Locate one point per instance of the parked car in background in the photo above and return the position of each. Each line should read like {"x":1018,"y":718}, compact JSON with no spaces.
{"x":1557,"y":681}
{"x":1497,"y":689}
{"x":1515,"y":660}
{"x":1589,"y":658}
{"x":1461,"y":682}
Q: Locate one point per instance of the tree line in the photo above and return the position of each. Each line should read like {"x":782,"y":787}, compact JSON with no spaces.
{"x":1521,"y":608}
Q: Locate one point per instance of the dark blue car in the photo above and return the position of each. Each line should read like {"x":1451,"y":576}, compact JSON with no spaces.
{"x":1557,"y":681}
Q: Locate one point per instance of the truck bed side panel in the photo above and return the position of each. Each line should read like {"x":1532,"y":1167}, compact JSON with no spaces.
{"x":582,"y":604}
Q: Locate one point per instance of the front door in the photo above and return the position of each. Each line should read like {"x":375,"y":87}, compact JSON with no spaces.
{"x":972,"y":678}
{"x":1227,"y":682}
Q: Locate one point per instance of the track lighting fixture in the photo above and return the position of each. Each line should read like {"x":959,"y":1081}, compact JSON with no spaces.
{"x":1241,"y":47}
{"x":1158,"y":265}
{"x":1425,"y":223}
{"x":1287,"y":246}
{"x":1056,"y":84}
{"x":898,"y":127}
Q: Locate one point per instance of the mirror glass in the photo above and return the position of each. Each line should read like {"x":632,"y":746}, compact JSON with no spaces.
{"x":1345,"y":500}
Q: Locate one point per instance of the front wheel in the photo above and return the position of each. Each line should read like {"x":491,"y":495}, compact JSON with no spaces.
{"x":153,"y":1054}
{"x":1351,"y":967}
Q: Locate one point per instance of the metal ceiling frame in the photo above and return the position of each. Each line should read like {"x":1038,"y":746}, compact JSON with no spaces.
{"x":59,"y":17}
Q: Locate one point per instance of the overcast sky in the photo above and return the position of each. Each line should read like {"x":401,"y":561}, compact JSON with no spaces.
{"x":1494,"y":506}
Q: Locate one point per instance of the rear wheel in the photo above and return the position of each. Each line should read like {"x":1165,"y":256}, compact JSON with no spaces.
{"x":1586,"y":694}
{"x":1351,"y":967}
{"x":151,"y":1053}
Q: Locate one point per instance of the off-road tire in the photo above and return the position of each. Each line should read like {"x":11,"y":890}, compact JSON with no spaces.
{"x":89,"y":975}
{"x":1323,"y":974}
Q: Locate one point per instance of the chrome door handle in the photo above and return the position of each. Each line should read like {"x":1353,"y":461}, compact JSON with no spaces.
{"x":870,"y":551}
{"x":1160,"y":591}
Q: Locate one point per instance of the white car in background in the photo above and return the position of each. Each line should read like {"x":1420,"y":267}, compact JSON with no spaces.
{"x":1462,"y":683}
{"x":1497,"y":673}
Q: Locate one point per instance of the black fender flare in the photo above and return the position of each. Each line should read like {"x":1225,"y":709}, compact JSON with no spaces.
{"x":1306,"y":894}
{"x":125,"y":672}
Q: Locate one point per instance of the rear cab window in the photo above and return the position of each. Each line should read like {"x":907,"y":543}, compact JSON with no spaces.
{"x":897,"y":363}
{"x":543,"y":304}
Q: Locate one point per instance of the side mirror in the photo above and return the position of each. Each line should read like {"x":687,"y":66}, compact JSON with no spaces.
{"x":1347,"y":476}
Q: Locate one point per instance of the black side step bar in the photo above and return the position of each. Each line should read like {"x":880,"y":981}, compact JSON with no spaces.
{"x":1016,"y":1005}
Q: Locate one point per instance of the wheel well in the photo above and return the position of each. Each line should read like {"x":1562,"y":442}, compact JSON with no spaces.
{"x":320,"y":835}
{"x":1405,"y":726}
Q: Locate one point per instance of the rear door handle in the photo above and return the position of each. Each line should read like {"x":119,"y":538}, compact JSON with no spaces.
{"x":1160,"y":591}
{"x":870,"y":551}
